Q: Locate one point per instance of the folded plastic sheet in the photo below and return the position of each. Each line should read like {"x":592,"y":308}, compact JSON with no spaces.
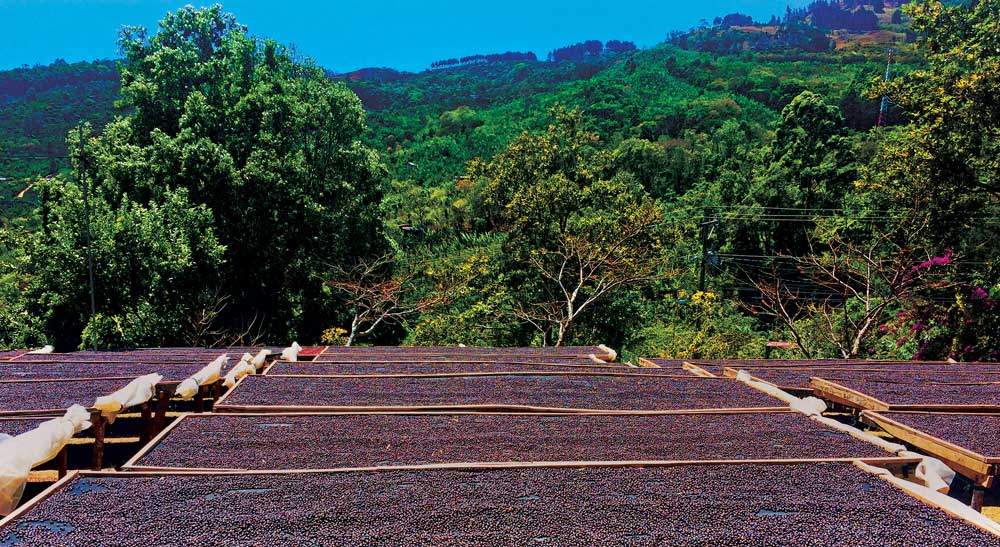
{"x":937,"y":498}
{"x":210,"y":373}
{"x":810,"y":406}
{"x":18,"y":455}
{"x":931,"y":471}
{"x":291,"y":353}
{"x":137,"y":391}
{"x":46,"y":349}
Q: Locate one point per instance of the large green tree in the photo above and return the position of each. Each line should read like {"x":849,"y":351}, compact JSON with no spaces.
{"x":155,"y":269}
{"x":260,"y":139}
{"x":806,"y":171}
{"x":579,"y":231}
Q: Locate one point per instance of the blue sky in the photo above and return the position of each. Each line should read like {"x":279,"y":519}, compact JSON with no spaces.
{"x":344,"y":35}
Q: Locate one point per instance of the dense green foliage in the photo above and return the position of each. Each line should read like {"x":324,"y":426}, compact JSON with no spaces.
{"x":698,"y":198}
{"x":230,"y":187}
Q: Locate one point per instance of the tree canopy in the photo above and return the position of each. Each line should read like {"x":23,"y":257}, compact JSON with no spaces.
{"x":261,"y":145}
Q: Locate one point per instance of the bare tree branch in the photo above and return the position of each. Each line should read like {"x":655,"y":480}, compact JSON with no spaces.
{"x":382,"y":291}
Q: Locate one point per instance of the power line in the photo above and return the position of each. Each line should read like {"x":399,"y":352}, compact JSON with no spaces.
{"x":31,"y":157}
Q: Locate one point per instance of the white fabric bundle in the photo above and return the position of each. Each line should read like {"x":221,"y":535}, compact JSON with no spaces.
{"x":18,"y":455}
{"x":259,"y":359}
{"x":137,"y":391}
{"x":933,"y":472}
{"x":44,"y":350}
{"x":244,"y":367}
{"x":612,"y":354}
{"x":810,"y":406}
{"x":291,"y":353}
{"x":210,"y":373}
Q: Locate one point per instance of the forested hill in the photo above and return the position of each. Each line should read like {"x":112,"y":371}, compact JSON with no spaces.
{"x":724,"y":188}
{"x":40,"y":104}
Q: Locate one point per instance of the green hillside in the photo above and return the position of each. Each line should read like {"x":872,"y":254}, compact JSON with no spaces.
{"x":725,"y":188}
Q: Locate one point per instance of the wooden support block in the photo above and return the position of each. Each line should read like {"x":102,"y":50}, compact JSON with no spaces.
{"x":199,"y":400}
{"x":162,"y":402}
{"x":978,"y":492}
{"x":62,"y":460}
{"x":98,"y":424}
{"x":147,"y":423}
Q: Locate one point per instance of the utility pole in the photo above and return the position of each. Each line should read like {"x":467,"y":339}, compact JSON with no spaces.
{"x":86,"y":229}
{"x":707,"y":225}
{"x":884,"y":107}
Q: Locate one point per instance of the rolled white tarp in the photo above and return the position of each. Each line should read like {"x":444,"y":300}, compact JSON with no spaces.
{"x":18,"y":455}
{"x":612,"y":354}
{"x":596,"y":360}
{"x":291,"y":353}
{"x":244,"y":367}
{"x":137,"y":391}
{"x":770,"y":389}
{"x":210,"y":373}
{"x":261,"y":358}
{"x":44,"y":350}
{"x":932,"y":472}
{"x":944,"y":502}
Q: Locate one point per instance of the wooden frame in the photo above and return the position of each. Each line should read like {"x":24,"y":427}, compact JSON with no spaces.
{"x":697,"y":371}
{"x":837,"y":393}
{"x":575,"y":362}
{"x":61,"y":457}
{"x":646,"y":363}
{"x":846,"y":396}
{"x":42,"y":496}
{"x":896,"y":465}
{"x":926,"y":500}
{"x":978,"y":468}
{"x":479,"y":409}
{"x":485,"y":373}
{"x":152,"y":443}
{"x":731,"y":372}
{"x":900,"y":463}
{"x":28,"y":413}
{"x":132,"y":463}
{"x":222,"y":407}
{"x":457,"y":364}
{"x":461,"y":355}
{"x":40,"y":380}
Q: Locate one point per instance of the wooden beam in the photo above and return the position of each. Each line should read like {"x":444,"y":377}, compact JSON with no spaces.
{"x":97,"y":422}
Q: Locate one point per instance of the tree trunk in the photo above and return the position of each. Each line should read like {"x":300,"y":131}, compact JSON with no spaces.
{"x":354,"y":331}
